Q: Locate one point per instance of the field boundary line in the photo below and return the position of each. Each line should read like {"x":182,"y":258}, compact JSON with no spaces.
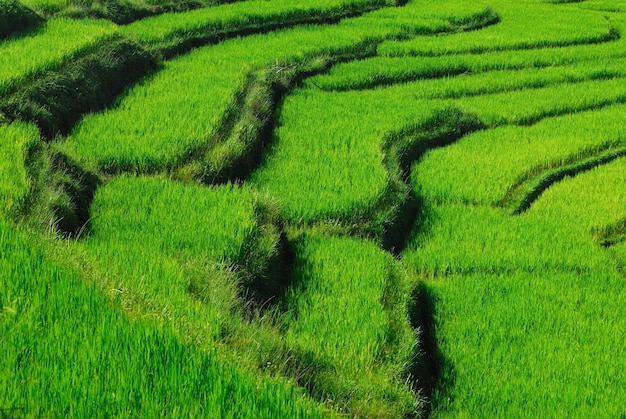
{"x":531,"y":186}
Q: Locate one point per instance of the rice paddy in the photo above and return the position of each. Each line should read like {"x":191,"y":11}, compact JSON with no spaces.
{"x":340,"y":208}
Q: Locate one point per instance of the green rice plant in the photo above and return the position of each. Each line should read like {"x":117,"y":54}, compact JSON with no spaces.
{"x":67,"y":350}
{"x":17,"y":141}
{"x":528,"y":343}
{"x":147,"y":134}
{"x":510,"y":80}
{"x":347,"y":310}
{"x":515,"y":298}
{"x":183,"y":111}
{"x":161,"y":121}
{"x":56,"y":42}
{"x":55,"y":100}
{"x":174,"y":131}
{"x":306,"y":119}
{"x":501,"y":81}
{"x":465,"y":239}
{"x":604,"y":6}
{"x":521,"y":26}
{"x":422,"y":17}
{"x":169,"y":242}
{"x":118,"y":11}
{"x":229,"y":209}
{"x":173,"y":31}
{"x":490,"y":72}
{"x":528,"y":106}
{"x":381,"y":70}
{"x":151,"y":245}
{"x":592,"y":201}
{"x":323,"y":166}
{"x":485,"y":167}
{"x":530,"y":186}
{"x":316,"y":155}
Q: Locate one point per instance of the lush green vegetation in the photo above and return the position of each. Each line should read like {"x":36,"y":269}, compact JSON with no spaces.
{"x":592,"y":202}
{"x":498,"y":71}
{"x":222,"y":232}
{"x":551,"y":27}
{"x":464,"y":239}
{"x":347,"y":170}
{"x":75,"y":353}
{"x":341,"y":208}
{"x":513,"y":295}
{"x":605,"y":6}
{"x":18,"y":141}
{"x":526,"y":343}
{"x":118,"y":11}
{"x":169,"y":31}
{"x":129,"y":138}
{"x":490,"y":163}
{"x":48,"y":47}
{"x":56,"y":100}
{"x":354,"y":324}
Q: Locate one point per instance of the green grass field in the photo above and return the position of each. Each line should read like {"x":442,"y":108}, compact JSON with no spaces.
{"x":279,"y":209}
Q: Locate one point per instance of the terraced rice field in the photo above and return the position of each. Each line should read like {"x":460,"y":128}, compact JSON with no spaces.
{"x":364,"y":208}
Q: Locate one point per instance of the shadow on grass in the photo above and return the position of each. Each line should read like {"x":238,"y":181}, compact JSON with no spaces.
{"x":432,"y":372}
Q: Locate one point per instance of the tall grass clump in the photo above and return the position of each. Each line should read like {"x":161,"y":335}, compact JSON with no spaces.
{"x":75,"y":353}
{"x":15,"y":17}
{"x":17,"y":142}
{"x":347,"y":310}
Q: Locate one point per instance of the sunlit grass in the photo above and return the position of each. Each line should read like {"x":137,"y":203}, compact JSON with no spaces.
{"x":75,"y":353}
{"x":592,"y":201}
{"x":551,"y":26}
{"x":482,"y":167}
{"x":473,"y":239}
{"x":348,"y":309}
{"x":54,"y":43}
{"x":522,"y":344}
